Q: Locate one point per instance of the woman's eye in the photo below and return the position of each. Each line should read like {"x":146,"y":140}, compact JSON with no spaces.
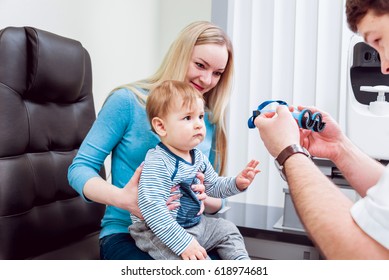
{"x":217,"y":74}
{"x":200,"y":65}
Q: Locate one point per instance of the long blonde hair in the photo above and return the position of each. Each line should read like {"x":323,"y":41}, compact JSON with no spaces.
{"x":175,"y":66}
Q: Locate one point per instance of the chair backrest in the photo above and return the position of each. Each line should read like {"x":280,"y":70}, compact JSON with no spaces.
{"x":46,"y":109}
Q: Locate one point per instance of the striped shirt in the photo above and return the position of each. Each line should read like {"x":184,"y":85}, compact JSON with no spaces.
{"x":161,"y":171}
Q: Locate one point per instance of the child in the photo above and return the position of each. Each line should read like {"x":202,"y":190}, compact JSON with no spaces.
{"x":176,"y":113}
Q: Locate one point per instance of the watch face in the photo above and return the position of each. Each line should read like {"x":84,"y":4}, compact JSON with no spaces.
{"x":280,"y":170}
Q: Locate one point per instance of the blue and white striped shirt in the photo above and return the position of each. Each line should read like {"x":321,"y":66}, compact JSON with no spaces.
{"x":161,"y":171}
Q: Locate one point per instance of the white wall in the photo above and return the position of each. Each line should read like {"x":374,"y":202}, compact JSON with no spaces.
{"x":125,"y":38}
{"x":175,"y":15}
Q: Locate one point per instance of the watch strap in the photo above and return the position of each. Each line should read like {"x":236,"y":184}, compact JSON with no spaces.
{"x":285,"y":154}
{"x":289,"y":151}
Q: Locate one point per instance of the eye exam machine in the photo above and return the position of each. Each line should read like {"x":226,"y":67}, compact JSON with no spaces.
{"x":367,"y":101}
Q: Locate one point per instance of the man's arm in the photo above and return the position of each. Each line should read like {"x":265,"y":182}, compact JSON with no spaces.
{"x":359,"y":169}
{"x":325,"y":213}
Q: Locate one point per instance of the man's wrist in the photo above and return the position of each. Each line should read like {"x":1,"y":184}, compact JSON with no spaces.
{"x":285,"y":154}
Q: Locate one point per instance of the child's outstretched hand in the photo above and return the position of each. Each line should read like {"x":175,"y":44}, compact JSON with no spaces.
{"x":246,"y":177}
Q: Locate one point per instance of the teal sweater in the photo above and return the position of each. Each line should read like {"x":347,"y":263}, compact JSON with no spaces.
{"x":122,"y":128}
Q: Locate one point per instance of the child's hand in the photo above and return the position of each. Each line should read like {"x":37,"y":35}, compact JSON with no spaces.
{"x":246,"y":177}
{"x":194,"y":251}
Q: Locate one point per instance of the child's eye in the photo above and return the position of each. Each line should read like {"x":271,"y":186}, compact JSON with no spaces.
{"x":187,"y":118}
{"x":201,"y":117}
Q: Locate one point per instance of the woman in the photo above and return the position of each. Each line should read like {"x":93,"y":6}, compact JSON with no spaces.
{"x":202,"y":55}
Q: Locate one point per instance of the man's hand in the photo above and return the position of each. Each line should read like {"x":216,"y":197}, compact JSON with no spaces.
{"x":278,"y":130}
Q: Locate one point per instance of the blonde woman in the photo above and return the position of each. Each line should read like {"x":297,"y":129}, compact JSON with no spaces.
{"x":202,"y":56}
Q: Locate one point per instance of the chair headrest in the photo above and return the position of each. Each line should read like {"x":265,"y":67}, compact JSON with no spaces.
{"x":42,"y":66}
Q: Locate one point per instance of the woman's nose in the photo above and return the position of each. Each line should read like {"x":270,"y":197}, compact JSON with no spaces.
{"x":206,"y":77}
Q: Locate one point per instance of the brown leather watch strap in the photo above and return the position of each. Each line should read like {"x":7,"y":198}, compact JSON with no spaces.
{"x":285,"y":154}
{"x":291,"y":150}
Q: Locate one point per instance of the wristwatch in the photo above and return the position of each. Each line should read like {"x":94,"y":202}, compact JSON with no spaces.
{"x":285,"y":154}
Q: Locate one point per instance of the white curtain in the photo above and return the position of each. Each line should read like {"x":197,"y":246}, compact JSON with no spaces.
{"x":293,"y":50}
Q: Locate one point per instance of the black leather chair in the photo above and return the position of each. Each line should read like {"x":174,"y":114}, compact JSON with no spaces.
{"x":46,"y":109}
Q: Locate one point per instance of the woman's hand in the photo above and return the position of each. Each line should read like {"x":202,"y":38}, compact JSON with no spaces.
{"x":130,"y":195}
{"x":199,"y":189}
{"x":173,"y":202}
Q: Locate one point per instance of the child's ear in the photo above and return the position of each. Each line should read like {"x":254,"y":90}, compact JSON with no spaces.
{"x":159,"y":126}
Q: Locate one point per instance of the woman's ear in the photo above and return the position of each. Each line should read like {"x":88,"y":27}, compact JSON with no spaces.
{"x":159,"y":126}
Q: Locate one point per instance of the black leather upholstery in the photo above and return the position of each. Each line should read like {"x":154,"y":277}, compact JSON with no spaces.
{"x":46,"y":109}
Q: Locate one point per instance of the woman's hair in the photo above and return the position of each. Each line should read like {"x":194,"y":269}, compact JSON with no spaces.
{"x":163,"y":98}
{"x":175,"y":66}
{"x":357,"y":9}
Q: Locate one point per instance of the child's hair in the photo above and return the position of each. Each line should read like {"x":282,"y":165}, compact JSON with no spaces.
{"x":357,"y":9}
{"x":162,"y":98}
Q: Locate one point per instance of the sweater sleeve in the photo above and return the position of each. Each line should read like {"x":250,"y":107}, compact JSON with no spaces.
{"x":215,"y":186}
{"x":105,"y":133}
{"x":154,"y":189}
